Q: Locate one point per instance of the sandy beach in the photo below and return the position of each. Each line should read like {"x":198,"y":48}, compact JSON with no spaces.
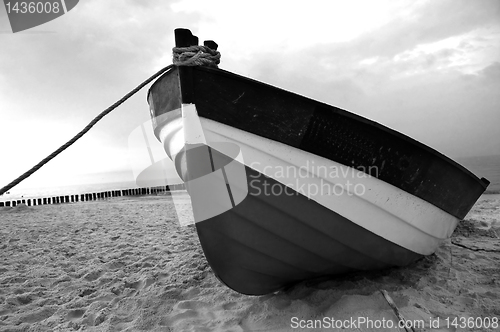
{"x":125,"y":264}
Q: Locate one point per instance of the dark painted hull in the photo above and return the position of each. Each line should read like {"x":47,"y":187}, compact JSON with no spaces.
{"x":270,"y":241}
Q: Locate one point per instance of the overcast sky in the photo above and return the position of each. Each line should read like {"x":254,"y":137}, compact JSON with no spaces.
{"x":429,"y":69}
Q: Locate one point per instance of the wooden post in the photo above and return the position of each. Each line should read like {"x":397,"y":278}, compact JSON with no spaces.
{"x":2,"y":204}
{"x":7,"y":203}
{"x":184,"y":38}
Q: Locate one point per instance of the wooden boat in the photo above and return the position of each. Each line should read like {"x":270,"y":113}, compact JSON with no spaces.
{"x":412,"y":197}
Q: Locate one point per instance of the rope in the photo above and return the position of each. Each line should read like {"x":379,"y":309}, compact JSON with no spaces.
{"x":195,"y":56}
{"x":182,"y":56}
{"x":83,"y":132}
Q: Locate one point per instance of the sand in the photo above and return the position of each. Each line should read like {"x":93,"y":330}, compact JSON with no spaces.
{"x":125,"y":264}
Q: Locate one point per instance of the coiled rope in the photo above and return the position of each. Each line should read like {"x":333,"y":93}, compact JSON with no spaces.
{"x":182,"y":56}
{"x":195,"y":56}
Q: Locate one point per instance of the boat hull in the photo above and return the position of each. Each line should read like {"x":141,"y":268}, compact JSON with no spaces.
{"x":269,"y":240}
{"x":279,"y":233}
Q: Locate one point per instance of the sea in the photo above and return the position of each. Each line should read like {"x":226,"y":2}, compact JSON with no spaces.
{"x":482,"y":166}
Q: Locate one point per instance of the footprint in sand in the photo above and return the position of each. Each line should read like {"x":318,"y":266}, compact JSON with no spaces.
{"x":229,"y":305}
{"x":75,"y":314}
{"x":94,"y":275}
{"x":192,"y":305}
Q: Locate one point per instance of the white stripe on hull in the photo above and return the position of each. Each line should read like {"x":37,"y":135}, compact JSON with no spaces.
{"x":383,"y":209}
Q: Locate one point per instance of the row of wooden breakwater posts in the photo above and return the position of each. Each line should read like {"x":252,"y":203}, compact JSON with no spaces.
{"x":93,"y":196}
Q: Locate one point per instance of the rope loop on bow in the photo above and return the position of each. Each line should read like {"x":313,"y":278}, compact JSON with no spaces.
{"x":197,"y":55}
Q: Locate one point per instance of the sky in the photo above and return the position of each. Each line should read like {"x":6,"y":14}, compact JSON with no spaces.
{"x":429,"y":69}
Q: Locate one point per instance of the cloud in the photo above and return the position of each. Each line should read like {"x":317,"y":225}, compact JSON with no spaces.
{"x":492,"y":72}
{"x":100,"y":51}
{"x":52,"y":85}
{"x":427,"y":75}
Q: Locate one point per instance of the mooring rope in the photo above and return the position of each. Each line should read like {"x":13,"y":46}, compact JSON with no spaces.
{"x":182,"y":56}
